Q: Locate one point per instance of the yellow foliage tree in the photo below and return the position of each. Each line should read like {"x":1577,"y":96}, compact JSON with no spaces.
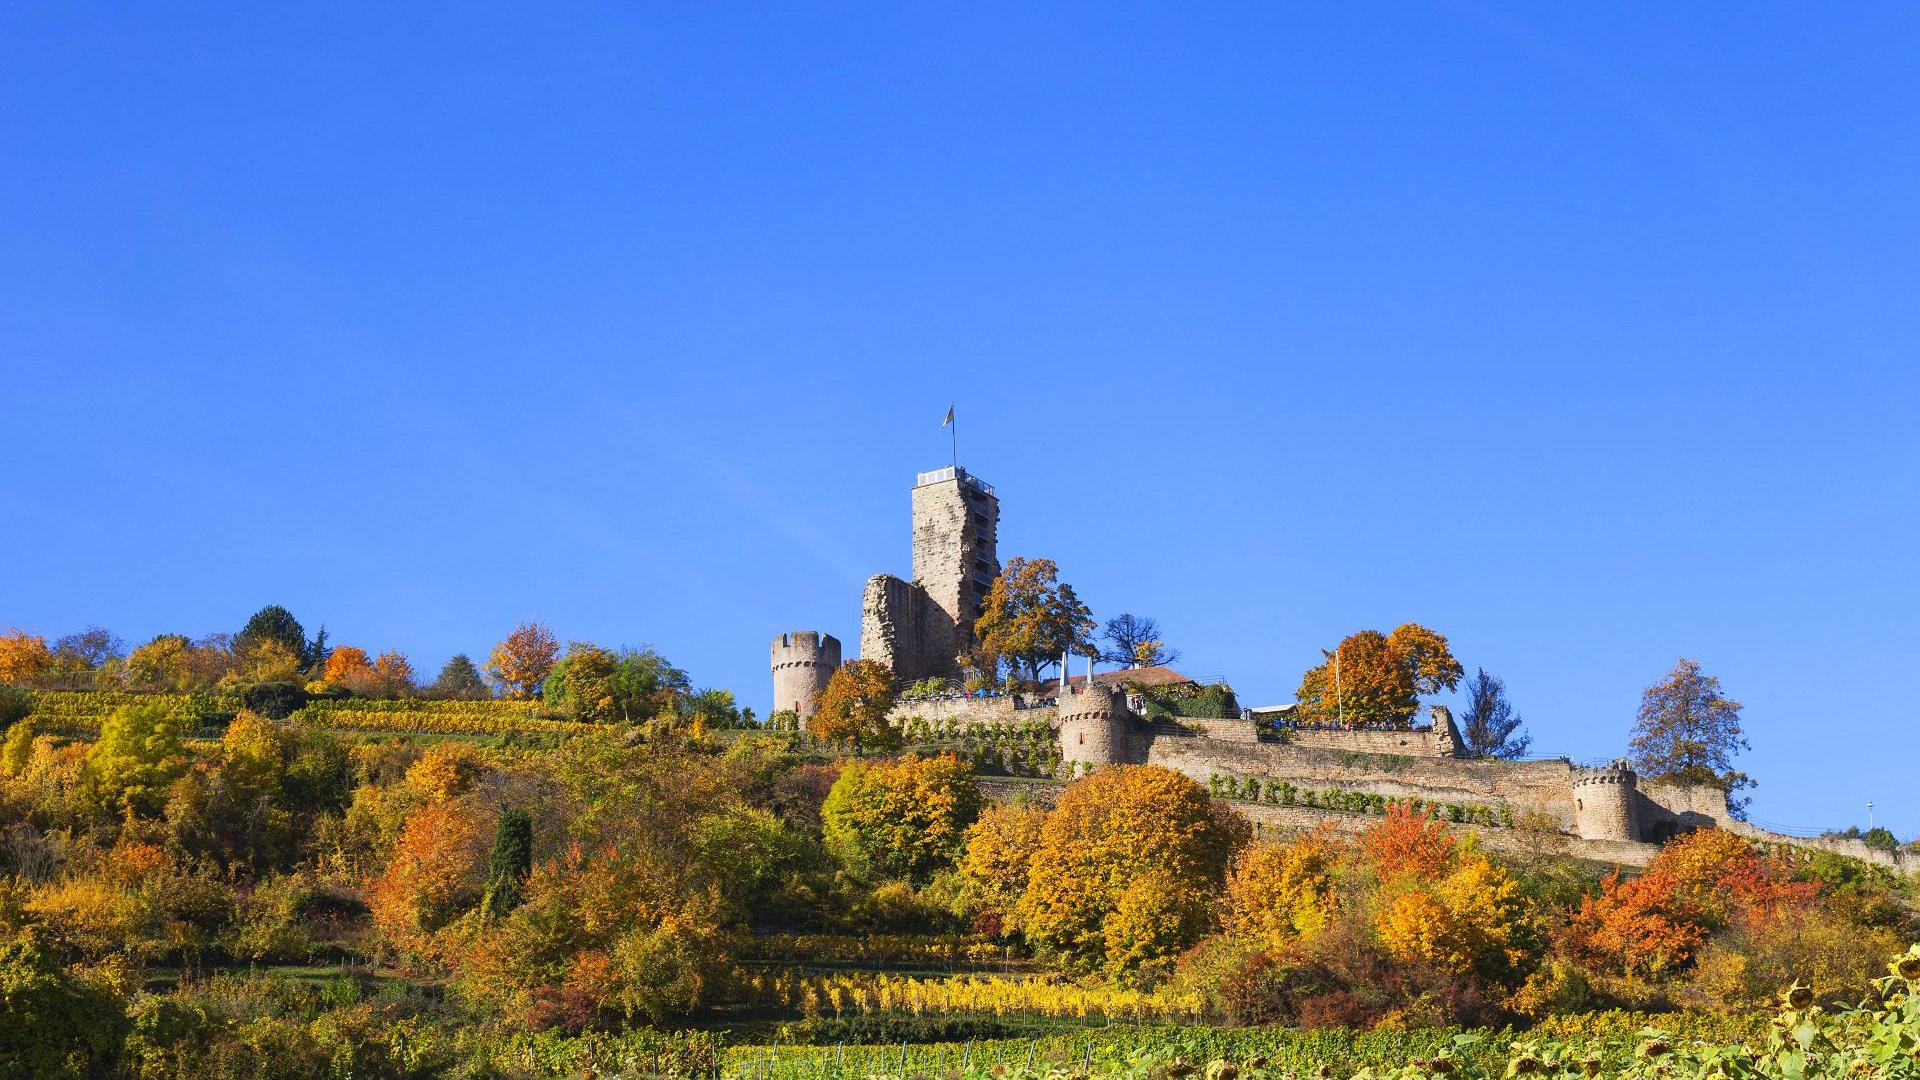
{"x":1473,"y":920}
{"x":1281,"y":893}
{"x":1116,"y":826}
{"x":140,"y":751}
{"x":999,"y":848}
{"x":520,"y":663}
{"x":898,"y":818}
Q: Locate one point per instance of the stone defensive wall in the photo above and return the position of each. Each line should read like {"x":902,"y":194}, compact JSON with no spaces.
{"x":1539,"y":786}
{"x":1280,"y":821}
{"x":989,"y":711}
{"x":1425,"y":743}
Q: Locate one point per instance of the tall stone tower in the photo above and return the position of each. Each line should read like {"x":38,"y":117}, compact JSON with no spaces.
{"x":955,"y":520}
{"x":920,"y":628}
{"x":803,"y":661}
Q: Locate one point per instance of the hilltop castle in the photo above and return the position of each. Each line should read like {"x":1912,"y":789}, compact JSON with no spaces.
{"x":1287,"y":775}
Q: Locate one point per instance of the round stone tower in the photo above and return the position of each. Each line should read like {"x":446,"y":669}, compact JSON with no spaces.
{"x":1093,"y":728}
{"x":1603,"y":801}
{"x":803,"y":661}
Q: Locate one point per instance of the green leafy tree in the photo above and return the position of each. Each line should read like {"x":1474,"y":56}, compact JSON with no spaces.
{"x":274,"y":623}
{"x":1490,"y":727}
{"x":54,"y":1026}
{"x":141,"y":750}
{"x":460,"y":679}
{"x":1031,"y":617}
{"x":1688,"y":731}
{"x":597,"y":685}
{"x":510,"y":862}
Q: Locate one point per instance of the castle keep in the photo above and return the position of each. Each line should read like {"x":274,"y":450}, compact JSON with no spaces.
{"x":923,"y":627}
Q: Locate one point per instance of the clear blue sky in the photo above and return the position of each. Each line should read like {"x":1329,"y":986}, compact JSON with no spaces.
{"x":1585,"y":335}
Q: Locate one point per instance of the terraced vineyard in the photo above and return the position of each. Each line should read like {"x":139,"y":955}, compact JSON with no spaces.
{"x":80,"y":713}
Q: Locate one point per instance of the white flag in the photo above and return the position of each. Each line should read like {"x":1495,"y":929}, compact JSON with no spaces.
{"x":949,"y":418}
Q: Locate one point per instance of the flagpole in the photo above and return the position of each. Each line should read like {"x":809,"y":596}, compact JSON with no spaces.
{"x":955,"y":425}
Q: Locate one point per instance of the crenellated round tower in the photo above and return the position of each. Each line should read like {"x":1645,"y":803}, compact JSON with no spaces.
{"x":1603,"y":802}
{"x":803,"y":661}
{"x":1093,"y":728}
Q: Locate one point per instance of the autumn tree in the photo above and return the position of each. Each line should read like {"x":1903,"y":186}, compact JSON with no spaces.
{"x":1408,"y":842}
{"x":140,"y":751}
{"x":1031,"y":618}
{"x":160,"y":664}
{"x":999,"y":848}
{"x":1688,"y":731}
{"x":76,"y":661}
{"x":1490,"y":727}
{"x":460,"y":680}
{"x":1372,"y":677}
{"x":519,"y":664}
{"x":900,"y":818}
{"x":1128,"y":862}
{"x":1281,"y":893}
{"x":393,"y":674}
{"x":350,"y":666}
{"x":1708,"y":879}
{"x":599,"y":686}
{"x":853,"y":706}
{"x":23,"y":657}
{"x":1471,"y":919}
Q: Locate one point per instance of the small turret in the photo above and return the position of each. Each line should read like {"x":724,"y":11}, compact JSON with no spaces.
{"x":803,"y":661}
{"x":1603,"y":802}
{"x":1093,"y":728}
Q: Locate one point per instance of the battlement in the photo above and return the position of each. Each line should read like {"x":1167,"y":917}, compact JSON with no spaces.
{"x":803,"y":661}
{"x":806,"y":647}
{"x":1616,"y":773}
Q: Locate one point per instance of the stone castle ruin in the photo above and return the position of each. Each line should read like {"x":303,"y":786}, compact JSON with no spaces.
{"x":1287,"y":775}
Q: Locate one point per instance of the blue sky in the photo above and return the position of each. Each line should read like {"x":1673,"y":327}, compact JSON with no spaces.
{"x":1583,"y":335}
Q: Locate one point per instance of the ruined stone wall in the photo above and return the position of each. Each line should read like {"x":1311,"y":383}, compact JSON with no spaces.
{"x":1425,"y":744}
{"x":992,"y":712}
{"x":1662,"y":809}
{"x":1527,"y":786}
{"x":901,"y":628}
{"x":803,"y":661}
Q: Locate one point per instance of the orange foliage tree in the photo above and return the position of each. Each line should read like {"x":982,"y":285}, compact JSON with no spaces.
{"x":23,"y":657}
{"x":519,"y":664}
{"x":347,"y":665}
{"x":1380,"y":677}
{"x":1705,"y":880}
{"x":1139,"y":842}
{"x":1408,"y":843}
{"x":434,"y":875}
{"x":854,"y":705}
